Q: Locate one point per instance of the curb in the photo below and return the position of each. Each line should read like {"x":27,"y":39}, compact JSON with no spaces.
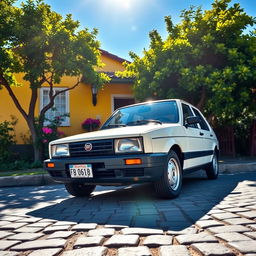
{"x":26,"y":180}
{"x":45,"y":179}
{"x":226,"y":168}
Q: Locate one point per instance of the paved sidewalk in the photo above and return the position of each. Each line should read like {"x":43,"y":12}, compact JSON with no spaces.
{"x":216,"y":217}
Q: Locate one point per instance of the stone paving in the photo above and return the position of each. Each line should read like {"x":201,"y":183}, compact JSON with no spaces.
{"x":209,"y":218}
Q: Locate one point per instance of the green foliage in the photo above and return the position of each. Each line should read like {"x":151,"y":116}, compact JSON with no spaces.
{"x":207,"y":59}
{"x":26,"y":137}
{"x":19,"y":165}
{"x":8,"y":63}
{"x":41,"y":43}
{"x":7,"y":138}
{"x":44,"y":47}
{"x":243,"y":134}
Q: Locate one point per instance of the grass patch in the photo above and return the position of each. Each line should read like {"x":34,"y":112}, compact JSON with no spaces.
{"x":22,"y":172}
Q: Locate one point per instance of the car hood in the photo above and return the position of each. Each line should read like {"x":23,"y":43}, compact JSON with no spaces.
{"x":128,"y":131}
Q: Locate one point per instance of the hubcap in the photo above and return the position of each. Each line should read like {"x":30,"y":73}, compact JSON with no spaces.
{"x":173,"y":173}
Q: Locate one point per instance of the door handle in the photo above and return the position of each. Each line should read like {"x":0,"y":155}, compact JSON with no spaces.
{"x":201,"y":133}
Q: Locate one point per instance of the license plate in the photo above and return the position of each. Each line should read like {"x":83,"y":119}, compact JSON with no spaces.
{"x":81,"y":171}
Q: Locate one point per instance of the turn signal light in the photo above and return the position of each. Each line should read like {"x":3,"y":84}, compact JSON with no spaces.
{"x":50,"y":165}
{"x":133,"y":161}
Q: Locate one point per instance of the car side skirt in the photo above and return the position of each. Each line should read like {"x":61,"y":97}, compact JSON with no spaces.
{"x":197,"y":160}
{"x":196,"y":154}
{"x":195,"y":168}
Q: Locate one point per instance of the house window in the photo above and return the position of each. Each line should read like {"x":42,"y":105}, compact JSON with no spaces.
{"x":61,"y":104}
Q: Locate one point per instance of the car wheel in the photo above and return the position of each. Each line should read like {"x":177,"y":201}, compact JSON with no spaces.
{"x":79,"y":190}
{"x":169,"y":186}
{"x":212,"y":171}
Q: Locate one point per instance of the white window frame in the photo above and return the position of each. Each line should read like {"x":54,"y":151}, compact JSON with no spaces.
{"x":116,"y":96}
{"x":66,"y":122}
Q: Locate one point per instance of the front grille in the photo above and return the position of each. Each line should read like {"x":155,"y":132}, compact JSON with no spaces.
{"x":99,"y":148}
{"x":104,"y":174}
{"x":138,"y":172}
{"x":99,"y":171}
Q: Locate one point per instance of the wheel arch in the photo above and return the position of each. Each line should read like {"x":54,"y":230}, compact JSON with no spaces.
{"x":176,"y":148}
{"x":216,"y":149}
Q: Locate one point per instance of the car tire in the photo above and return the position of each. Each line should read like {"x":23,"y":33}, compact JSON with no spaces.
{"x":79,"y":190}
{"x":212,"y":170}
{"x":169,"y":186}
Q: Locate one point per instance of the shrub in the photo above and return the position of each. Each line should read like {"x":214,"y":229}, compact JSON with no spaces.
{"x":90,"y":124}
{"x":7,"y":138}
{"x":19,"y":165}
{"x":50,"y":132}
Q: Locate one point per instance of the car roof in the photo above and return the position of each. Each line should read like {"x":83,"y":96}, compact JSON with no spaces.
{"x":155,"y":101}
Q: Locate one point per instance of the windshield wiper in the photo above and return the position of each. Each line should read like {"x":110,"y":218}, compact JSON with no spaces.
{"x":146,"y":121}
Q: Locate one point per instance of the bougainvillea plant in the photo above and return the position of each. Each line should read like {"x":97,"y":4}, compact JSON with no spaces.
{"x":90,"y":124}
{"x":50,"y":132}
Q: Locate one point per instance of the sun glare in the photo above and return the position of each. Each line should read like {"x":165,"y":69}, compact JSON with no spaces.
{"x":117,"y":7}
{"x":126,"y":4}
{"x":120,"y":4}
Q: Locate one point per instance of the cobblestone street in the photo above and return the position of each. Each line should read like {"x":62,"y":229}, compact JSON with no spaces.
{"x":211,"y":217}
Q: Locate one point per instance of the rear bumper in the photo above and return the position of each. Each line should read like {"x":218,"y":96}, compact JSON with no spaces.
{"x":111,"y":170}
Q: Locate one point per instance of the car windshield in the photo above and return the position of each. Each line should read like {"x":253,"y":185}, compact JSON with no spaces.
{"x":152,"y":112}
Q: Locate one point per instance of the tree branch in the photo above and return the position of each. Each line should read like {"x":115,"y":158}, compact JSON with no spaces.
{"x":68,"y":89}
{"x":52,"y":97}
{"x":5,"y":83}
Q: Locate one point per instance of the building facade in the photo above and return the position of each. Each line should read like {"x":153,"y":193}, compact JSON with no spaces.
{"x":79,"y":103}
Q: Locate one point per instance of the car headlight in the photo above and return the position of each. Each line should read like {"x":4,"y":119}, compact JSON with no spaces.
{"x":60,"y":150}
{"x":128,"y":145}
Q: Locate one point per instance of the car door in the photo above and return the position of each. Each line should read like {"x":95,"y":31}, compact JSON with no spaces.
{"x":194,"y":155}
{"x":207,"y":135}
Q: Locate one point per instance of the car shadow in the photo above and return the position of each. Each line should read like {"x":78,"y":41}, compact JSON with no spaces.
{"x":135,"y":206}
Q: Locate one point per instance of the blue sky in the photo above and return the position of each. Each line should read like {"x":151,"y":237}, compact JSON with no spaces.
{"x":124,"y":24}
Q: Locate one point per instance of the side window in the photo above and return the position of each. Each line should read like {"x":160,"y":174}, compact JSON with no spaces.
{"x":186,"y":113}
{"x":202,"y":123}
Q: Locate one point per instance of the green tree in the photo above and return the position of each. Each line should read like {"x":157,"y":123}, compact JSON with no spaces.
{"x":44,"y":46}
{"x":208,"y":59}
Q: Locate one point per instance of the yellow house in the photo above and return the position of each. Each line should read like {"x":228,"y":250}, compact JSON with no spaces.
{"x":81,"y":103}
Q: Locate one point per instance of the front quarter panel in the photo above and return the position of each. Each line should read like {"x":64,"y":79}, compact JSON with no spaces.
{"x":163,"y":139}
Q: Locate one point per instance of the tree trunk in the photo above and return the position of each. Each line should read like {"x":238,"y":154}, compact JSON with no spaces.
{"x":37,"y":153}
{"x":201,"y":103}
{"x":37,"y":146}
{"x":30,"y":119}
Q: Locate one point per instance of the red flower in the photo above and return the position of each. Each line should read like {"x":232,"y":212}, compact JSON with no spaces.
{"x":47,"y":130}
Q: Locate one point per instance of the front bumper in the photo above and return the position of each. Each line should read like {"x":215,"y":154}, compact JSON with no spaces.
{"x":110,"y":170}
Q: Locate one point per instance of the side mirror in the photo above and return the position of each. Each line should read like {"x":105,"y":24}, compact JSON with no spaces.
{"x":192,"y":120}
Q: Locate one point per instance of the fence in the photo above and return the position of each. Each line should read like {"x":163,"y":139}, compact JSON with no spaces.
{"x":253,"y":139}
{"x":227,"y":140}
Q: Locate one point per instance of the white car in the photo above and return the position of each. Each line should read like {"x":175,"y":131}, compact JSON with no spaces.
{"x":157,"y":142}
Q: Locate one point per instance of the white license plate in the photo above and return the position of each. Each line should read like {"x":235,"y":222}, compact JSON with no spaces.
{"x":80,"y":170}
